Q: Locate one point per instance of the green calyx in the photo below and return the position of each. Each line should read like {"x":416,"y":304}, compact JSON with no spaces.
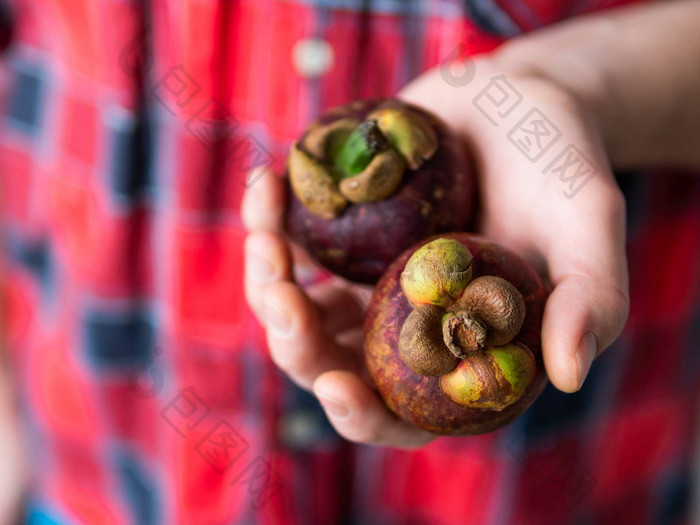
{"x":351,"y":156}
{"x":491,"y":379}
{"x":358,"y":162}
{"x":437,"y":273}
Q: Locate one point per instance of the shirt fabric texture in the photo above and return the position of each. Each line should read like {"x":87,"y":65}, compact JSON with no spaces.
{"x":146,"y":390}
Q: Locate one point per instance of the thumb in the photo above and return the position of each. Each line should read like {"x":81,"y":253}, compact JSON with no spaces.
{"x":589,"y":305}
{"x":581,"y":319}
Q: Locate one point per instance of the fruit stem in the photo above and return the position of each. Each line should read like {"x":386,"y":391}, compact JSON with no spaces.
{"x":357,"y":151}
{"x":463,"y":333}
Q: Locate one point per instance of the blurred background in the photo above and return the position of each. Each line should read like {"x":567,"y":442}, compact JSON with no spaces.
{"x":136,"y":386}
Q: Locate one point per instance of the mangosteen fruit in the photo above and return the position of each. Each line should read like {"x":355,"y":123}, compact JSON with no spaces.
{"x":452,"y":335}
{"x":371,"y":178}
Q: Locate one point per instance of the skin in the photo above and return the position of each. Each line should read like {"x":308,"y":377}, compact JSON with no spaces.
{"x":436,"y":198}
{"x":420,"y":400}
{"x":619,"y":86}
{"x":13,"y":476}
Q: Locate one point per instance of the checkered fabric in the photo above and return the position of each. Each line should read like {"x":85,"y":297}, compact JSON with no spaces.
{"x":147,"y":393}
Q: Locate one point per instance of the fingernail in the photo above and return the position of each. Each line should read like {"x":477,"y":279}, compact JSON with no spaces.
{"x":585,"y":354}
{"x":277,"y":319}
{"x":333,"y":407}
{"x":260,"y":269}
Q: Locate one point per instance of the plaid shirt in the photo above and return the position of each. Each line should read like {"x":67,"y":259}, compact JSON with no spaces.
{"x":147,"y":393}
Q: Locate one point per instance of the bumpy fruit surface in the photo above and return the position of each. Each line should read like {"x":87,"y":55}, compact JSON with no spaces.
{"x":457,"y":361}
{"x":369,"y":179}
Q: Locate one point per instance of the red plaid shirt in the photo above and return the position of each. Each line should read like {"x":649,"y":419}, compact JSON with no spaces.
{"x":147,"y":393}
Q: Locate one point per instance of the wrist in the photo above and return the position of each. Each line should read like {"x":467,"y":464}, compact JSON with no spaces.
{"x":632,"y":70}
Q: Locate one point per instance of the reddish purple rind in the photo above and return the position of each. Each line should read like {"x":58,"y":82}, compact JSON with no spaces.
{"x":418,"y":399}
{"x":366,"y":238}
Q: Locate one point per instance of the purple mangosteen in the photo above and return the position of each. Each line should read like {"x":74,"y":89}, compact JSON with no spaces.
{"x":371,"y":178}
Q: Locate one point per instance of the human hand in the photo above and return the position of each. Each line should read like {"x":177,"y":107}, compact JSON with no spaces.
{"x":315,"y":335}
{"x":577,"y":242}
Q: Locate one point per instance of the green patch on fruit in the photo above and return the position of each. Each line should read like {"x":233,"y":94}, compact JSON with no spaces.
{"x":462,"y":386}
{"x":492,"y":379}
{"x":516,"y":363}
{"x":353,"y":155}
{"x":437,"y":273}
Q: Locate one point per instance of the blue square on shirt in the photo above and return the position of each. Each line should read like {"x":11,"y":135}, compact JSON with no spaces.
{"x":675,"y":498}
{"x":129,"y":153}
{"x":138,"y":491}
{"x":118,"y":340}
{"x":25,"y":98}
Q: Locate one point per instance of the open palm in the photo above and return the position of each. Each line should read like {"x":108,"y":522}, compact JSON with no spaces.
{"x":573,"y":234}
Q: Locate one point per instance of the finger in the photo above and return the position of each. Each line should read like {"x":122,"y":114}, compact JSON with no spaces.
{"x":296,"y":338}
{"x":589,"y":305}
{"x":581,"y":239}
{"x":352,"y":338}
{"x":359,"y":415}
{"x":262,"y":209}
{"x":581,"y":319}
{"x":338,"y":307}
{"x":267,"y":260}
{"x":263,"y":204}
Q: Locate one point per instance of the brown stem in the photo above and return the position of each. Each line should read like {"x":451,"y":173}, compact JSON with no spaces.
{"x":463,"y":333}
{"x":497,"y":304}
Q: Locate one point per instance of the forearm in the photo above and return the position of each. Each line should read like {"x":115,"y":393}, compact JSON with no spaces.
{"x":13,"y":474}
{"x":637,"y":72}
